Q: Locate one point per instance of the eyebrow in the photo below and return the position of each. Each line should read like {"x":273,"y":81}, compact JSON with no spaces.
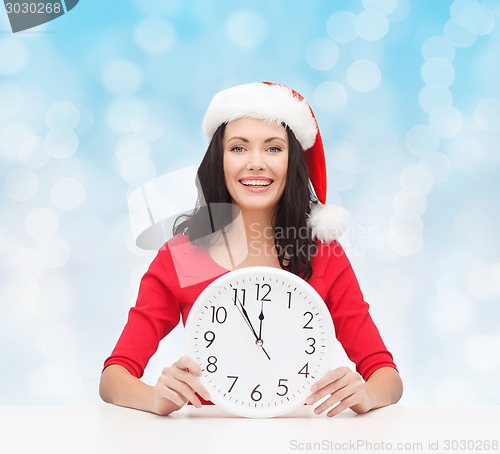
{"x":244,"y":139}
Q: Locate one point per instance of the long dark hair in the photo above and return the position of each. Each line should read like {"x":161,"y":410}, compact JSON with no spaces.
{"x":213,"y":212}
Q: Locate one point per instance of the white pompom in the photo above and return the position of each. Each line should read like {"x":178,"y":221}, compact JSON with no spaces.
{"x":327,"y":222}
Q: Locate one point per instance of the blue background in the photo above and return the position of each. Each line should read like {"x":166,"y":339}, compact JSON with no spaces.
{"x":112,"y":94}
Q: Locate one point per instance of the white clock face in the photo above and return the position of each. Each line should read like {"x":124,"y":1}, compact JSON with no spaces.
{"x":261,"y":336}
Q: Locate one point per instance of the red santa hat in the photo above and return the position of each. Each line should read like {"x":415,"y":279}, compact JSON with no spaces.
{"x":275,"y":102}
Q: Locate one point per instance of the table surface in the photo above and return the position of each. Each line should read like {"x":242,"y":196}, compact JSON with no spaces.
{"x":109,"y":429}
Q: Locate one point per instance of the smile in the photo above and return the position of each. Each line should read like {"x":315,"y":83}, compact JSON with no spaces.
{"x":256,"y":183}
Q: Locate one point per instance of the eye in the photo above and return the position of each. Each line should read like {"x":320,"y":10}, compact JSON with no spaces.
{"x":238,"y":149}
{"x":274,"y":149}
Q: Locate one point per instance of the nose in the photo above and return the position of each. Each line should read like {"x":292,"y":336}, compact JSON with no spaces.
{"x":256,"y":160}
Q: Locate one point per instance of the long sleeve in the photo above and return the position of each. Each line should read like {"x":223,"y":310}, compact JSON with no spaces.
{"x":354,"y":327}
{"x":155,"y":314}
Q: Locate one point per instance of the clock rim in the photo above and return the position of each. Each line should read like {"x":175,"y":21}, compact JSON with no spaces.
{"x":254,"y":411}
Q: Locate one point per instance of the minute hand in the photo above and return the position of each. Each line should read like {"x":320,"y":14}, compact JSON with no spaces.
{"x":243,"y":312}
{"x":261,"y":318}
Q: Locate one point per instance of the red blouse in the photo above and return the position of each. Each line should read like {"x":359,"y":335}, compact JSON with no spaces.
{"x":181,"y":271}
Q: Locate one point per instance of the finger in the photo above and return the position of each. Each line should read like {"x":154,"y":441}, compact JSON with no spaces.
{"x":328,"y":403}
{"x":169,"y":394}
{"x":187,"y":363}
{"x":171,"y":375}
{"x":352,"y":388}
{"x":330,"y":377}
{"x":347,"y":393}
{"x":344,"y":405}
{"x":330,"y":389}
{"x":192,"y":381}
{"x":350,"y":380}
{"x":185,"y":391}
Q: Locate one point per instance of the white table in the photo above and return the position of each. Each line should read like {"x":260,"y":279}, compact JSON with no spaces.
{"x":108,"y":429}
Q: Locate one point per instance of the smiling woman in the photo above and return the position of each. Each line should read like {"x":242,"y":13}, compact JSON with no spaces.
{"x":255,"y":163}
{"x":264,"y":171}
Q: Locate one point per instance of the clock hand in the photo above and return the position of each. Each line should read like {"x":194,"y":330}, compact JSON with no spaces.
{"x":247,"y":319}
{"x":261,"y":318}
{"x":244,"y":313}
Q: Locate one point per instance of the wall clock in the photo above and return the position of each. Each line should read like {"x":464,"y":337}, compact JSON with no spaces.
{"x":261,"y":336}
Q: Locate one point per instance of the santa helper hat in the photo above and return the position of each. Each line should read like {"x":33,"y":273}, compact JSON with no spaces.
{"x":275,"y":102}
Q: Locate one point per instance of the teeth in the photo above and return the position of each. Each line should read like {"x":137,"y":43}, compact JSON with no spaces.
{"x":256,"y":182}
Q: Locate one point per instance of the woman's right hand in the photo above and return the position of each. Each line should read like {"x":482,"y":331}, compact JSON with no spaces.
{"x":177,"y":385}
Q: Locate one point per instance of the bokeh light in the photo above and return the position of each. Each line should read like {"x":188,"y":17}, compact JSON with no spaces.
{"x":137,"y":169}
{"x":121,"y":114}
{"x":446,"y":121}
{"x":61,"y":143}
{"x":12,"y":97}
{"x":422,"y":140}
{"x":439,"y":165}
{"x":385,"y":6}
{"x":322,"y":53}
{"x":407,"y":101}
{"x":13,"y":55}
{"x":416,"y":178}
{"x":330,"y":97}
{"x":472,"y":16}
{"x":409,"y":203}
{"x":246,"y":29}
{"x":121,"y":77}
{"x":467,"y":154}
{"x":371,"y":25}
{"x":131,"y":145}
{"x":432,"y":97}
{"x":457,"y":35}
{"x":438,"y":47}
{"x":21,"y":184}
{"x":341,"y":26}
{"x":67,"y":193}
{"x":62,"y":114}
{"x":487,"y":114}
{"x":438,"y":72}
{"x":154,"y":35}
{"x":32,"y":152}
{"x":41,"y":223}
{"x":364,"y":75}
{"x":13,"y":135}
{"x":53,"y":251}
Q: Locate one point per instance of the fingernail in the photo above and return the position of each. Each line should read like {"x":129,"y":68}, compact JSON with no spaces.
{"x":314,"y":388}
{"x":310,"y":401}
{"x":206,"y":396}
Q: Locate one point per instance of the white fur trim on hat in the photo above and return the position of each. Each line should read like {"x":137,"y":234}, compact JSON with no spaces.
{"x":263,"y":101}
{"x":327,"y":222}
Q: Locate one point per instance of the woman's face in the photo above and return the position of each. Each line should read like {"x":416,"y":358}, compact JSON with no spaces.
{"x":255,"y":163}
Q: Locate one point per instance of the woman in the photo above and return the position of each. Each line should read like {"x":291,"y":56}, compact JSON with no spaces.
{"x":262,"y":188}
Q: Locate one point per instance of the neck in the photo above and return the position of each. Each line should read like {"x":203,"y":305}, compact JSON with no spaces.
{"x":249,"y":240}
{"x":255,"y":226}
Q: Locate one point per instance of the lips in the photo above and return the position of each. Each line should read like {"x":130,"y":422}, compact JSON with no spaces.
{"x":256,"y":182}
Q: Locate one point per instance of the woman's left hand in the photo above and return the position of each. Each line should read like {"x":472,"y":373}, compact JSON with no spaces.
{"x":345,"y":388}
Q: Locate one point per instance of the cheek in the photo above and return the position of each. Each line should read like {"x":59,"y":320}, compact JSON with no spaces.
{"x":226,"y":167}
{"x":230,"y":171}
{"x":284,"y":168}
